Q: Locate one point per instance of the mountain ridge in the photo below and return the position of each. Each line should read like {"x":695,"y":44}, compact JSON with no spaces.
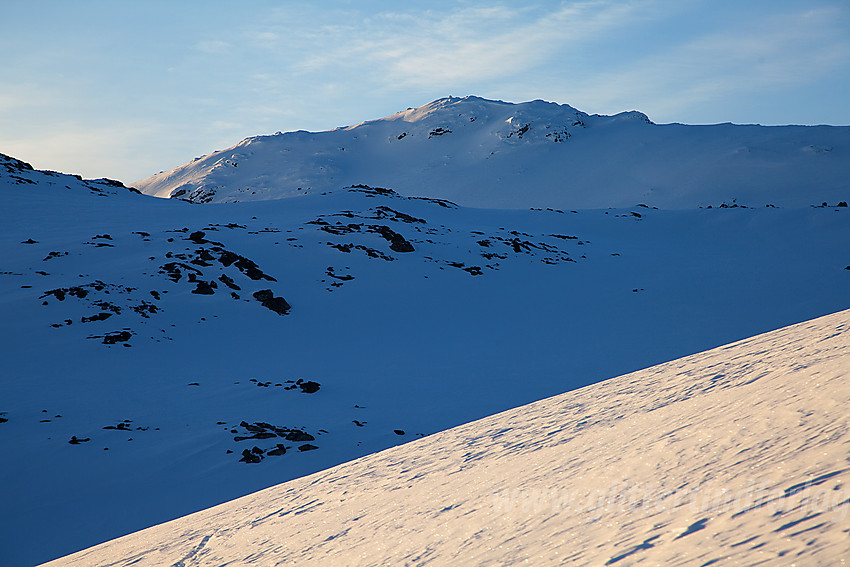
{"x":493,"y":154}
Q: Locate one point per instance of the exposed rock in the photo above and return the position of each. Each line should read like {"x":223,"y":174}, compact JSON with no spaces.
{"x":54,"y":254}
{"x":399,"y":216}
{"x":281,"y":450}
{"x":297,"y":435}
{"x":173,"y":270}
{"x":345,"y":278}
{"x":250,"y":269}
{"x":309,"y":387}
{"x":117,"y":337}
{"x":249,"y":457}
{"x":397,"y":241}
{"x":277,"y":304}
{"x":228,"y":281}
{"x":373,"y":190}
{"x":204,"y":288}
{"x":97,"y":317}
{"x":258,"y":435}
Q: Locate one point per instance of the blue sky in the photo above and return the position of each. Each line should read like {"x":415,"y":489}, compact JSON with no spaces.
{"x":126,"y":89}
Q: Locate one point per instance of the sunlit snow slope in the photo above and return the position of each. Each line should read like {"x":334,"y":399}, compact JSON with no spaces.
{"x":485,"y":153}
{"x":734,"y":456}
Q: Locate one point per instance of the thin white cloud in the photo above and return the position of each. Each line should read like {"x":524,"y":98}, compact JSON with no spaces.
{"x":439,"y":49}
{"x":777,"y":52}
{"x":214,"y":46}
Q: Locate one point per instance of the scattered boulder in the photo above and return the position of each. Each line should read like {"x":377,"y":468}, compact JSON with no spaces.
{"x":204,"y":288}
{"x":228,"y":281}
{"x":249,"y":457}
{"x":280,"y":450}
{"x":54,"y":254}
{"x":277,"y":304}
{"x":76,"y":440}
{"x":297,"y":435}
{"x":308,"y":387}
{"x":117,"y":337}
{"x":307,"y":447}
{"x":96,"y":317}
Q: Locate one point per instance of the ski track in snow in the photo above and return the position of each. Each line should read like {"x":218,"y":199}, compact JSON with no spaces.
{"x":737,"y":455}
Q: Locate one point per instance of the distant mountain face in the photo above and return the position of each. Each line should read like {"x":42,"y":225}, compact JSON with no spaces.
{"x":493,"y":154}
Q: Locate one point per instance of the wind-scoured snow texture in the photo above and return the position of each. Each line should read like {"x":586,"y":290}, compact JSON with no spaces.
{"x":492,"y":154}
{"x":148,"y":344}
{"x":736,"y":455}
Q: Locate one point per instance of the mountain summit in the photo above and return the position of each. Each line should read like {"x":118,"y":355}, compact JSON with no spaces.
{"x":494,"y":154}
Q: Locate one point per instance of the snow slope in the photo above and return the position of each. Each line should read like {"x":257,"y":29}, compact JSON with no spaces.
{"x":492,"y":154}
{"x":737,"y":455}
{"x":412,"y":315}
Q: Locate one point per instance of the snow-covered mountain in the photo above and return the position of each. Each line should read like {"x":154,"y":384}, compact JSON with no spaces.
{"x":160,"y":357}
{"x":492,"y":154}
{"x":735,"y":456}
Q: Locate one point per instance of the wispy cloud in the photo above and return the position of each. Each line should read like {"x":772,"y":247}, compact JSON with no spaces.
{"x":214,"y":46}
{"x":440,"y":49}
{"x":751,"y":58}
{"x":572,"y":51}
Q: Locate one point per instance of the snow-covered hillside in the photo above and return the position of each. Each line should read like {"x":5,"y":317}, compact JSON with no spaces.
{"x":735,"y":456}
{"x":151,"y":367}
{"x":492,"y":154}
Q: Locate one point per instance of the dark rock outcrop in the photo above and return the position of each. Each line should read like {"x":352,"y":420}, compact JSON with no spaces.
{"x":397,"y":241}
{"x":277,"y":304}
